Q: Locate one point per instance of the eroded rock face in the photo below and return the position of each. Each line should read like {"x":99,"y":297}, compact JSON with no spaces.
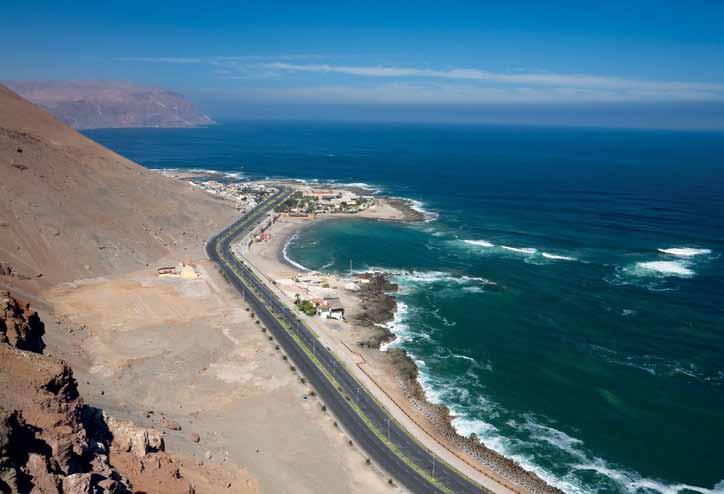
{"x":19,"y":326}
{"x":51,"y":442}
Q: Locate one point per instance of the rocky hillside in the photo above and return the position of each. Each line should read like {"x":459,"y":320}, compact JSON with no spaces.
{"x":72,"y":209}
{"x":51,"y":442}
{"x":105,"y":104}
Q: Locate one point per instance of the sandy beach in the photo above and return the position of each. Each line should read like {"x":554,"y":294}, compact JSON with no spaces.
{"x":390,"y":376}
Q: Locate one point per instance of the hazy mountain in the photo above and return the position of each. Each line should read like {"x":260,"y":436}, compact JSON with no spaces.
{"x":102,"y":104}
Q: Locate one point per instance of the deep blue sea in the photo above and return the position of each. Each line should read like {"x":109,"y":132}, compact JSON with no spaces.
{"x":565,"y":297}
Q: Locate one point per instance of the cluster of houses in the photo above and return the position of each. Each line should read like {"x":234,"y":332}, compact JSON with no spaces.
{"x":326,"y":201}
{"x":314,"y":294}
{"x":260,"y":234}
{"x":246,"y":194}
{"x":326,"y":308}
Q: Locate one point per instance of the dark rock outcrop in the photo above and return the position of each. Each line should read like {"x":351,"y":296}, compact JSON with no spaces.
{"x":51,"y":442}
{"x":19,"y":326}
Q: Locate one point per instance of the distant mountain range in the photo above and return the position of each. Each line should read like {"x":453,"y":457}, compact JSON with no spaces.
{"x":106,"y":104}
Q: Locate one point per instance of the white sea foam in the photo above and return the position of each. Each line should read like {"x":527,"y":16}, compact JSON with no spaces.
{"x":627,"y":481}
{"x":432,"y":277}
{"x":453,"y":391}
{"x":479,"y":243}
{"x":464,"y":357}
{"x":466,"y":426}
{"x":398,"y":327}
{"x":634,"y":483}
{"x":289,"y":259}
{"x":532,"y":255}
{"x":419,"y":206}
{"x":555,"y":437}
{"x":461,"y":393}
{"x":557,"y":257}
{"x":663,"y":268}
{"x":360,"y":185}
{"x":520,"y":250}
{"x":450,"y":391}
{"x":685,"y":251}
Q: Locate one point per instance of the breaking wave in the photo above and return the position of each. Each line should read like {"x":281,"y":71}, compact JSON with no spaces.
{"x":414,"y":279}
{"x":289,"y":259}
{"x":398,"y":327}
{"x":557,"y":257}
{"x":479,"y":243}
{"x":419,"y":206}
{"x":533,"y":255}
{"x":520,"y":250}
{"x":372,"y":189}
{"x":684,"y":251}
{"x":662,"y":268}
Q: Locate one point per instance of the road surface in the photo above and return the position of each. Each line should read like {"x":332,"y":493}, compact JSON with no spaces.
{"x":367,"y":422}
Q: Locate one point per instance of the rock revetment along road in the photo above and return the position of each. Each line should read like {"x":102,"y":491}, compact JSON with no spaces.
{"x":366,"y":421}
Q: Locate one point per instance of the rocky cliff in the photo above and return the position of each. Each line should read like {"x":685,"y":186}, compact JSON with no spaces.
{"x":51,"y":442}
{"x":106,"y":104}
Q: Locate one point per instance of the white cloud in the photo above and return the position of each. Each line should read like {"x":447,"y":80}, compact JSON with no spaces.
{"x":217,"y":60}
{"x":407,"y":93}
{"x":428,"y":85}
{"x":538,"y":79}
{"x":160,"y":60}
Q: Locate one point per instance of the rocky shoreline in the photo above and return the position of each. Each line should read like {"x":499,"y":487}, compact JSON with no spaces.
{"x":377,"y":308}
{"x":410,"y":214}
{"x":379,"y":305}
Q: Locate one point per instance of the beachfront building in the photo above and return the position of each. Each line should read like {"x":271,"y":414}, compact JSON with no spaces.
{"x":331,"y":308}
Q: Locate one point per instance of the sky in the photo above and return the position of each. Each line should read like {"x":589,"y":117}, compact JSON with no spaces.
{"x":635,"y":63}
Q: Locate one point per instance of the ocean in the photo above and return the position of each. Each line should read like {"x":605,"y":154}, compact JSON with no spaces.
{"x":564,"y":297}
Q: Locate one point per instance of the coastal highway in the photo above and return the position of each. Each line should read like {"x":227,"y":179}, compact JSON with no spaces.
{"x":366,"y":421}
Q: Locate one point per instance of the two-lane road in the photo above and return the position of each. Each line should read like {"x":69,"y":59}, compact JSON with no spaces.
{"x":366,"y":420}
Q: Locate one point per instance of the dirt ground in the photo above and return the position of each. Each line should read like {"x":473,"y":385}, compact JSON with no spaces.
{"x":146,"y":348}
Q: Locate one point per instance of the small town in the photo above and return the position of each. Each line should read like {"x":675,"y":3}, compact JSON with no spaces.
{"x":311,"y":201}
{"x":246,"y":195}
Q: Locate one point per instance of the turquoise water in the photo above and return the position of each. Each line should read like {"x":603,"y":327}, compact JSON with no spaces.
{"x":564,"y":298}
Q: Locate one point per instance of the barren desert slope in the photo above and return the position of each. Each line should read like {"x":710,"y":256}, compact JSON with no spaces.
{"x":82,"y":233}
{"x":70,"y":208}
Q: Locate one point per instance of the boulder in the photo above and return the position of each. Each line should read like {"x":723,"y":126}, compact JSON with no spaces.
{"x":170,"y":424}
{"x":128,"y":437}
